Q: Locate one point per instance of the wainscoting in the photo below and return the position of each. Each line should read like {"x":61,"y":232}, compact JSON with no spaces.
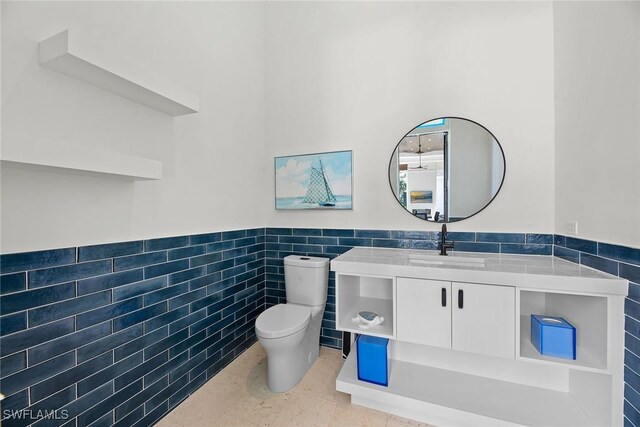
{"x":119,"y":334}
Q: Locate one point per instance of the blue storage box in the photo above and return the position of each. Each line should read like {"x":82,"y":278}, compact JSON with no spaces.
{"x":373,"y":360}
{"x":553,"y":336}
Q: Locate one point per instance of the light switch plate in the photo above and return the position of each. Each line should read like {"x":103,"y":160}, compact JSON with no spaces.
{"x":571,"y":227}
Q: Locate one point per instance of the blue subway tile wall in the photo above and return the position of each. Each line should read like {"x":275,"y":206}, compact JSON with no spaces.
{"x":330,"y":243}
{"x":624,"y":262}
{"x":120,"y":333}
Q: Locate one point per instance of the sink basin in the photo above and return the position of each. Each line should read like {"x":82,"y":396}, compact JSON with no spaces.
{"x":452,"y":260}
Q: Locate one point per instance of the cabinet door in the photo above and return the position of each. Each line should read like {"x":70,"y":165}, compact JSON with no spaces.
{"x":424,"y":312}
{"x":483,"y":319}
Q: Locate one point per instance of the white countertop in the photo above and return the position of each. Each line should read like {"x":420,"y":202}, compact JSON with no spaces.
{"x":525,"y":271}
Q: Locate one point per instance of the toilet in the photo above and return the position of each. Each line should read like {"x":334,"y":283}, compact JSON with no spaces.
{"x":290,"y":333}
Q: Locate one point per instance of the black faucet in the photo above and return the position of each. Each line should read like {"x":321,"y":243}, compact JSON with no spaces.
{"x":444,"y":245}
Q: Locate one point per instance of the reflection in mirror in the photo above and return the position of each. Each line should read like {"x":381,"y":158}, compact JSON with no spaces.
{"x":446,"y":169}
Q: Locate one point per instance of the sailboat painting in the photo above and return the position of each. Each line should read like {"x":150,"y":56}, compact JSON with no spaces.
{"x":314,"y":181}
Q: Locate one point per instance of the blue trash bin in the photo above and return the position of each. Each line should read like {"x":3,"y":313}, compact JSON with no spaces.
{"x":373,"y":359}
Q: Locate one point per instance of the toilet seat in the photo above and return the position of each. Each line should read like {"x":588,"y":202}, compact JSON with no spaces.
{"x":282,"y":320}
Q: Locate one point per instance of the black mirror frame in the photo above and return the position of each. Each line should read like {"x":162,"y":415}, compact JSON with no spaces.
{"x":504,"y":169}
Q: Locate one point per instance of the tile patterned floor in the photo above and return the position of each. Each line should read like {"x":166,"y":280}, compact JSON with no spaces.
{"x":238,"y":396}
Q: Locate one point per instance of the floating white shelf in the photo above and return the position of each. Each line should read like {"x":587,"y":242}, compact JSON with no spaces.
{"x":454,"y":398}
{"x":59,"y":54}
{"x":72,"y":157}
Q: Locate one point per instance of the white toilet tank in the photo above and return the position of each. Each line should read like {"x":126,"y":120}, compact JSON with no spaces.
{"x":306,"y":279}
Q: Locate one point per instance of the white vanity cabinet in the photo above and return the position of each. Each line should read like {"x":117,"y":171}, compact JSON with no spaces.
{"x":460,"y":346}
{"x":463,"y":316}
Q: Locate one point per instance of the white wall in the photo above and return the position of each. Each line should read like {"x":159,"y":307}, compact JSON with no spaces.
{"x":213,"y":161}
{"x":597,"y":84}
{"x":361,"y":75}
{"x":321,"y":77}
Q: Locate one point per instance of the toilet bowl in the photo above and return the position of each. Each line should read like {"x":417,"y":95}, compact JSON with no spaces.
{"x":290,"y":333}
{"x":282,"y":331}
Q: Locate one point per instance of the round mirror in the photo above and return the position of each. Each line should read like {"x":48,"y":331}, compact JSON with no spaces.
{"x":447,"y":169}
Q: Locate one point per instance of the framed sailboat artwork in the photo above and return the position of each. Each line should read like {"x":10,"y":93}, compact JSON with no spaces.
{"x":315,"y":181}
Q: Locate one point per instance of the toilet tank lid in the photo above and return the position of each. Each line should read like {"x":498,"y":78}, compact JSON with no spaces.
{"x":306,"y":261}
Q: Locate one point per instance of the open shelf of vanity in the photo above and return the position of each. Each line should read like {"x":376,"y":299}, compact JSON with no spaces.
{"x":357,"y":293}
{"x":587,"y":313}
{"x":441,"y":385}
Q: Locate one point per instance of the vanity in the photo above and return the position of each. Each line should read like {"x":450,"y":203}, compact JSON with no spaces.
{"x":460,"y":347}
